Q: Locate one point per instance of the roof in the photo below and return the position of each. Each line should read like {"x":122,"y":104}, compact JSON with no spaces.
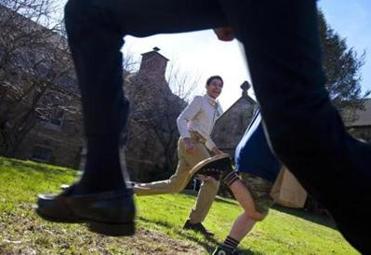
{"x":155,"y":52}
{"x":363,"y":116}
{"x":244,"y":96}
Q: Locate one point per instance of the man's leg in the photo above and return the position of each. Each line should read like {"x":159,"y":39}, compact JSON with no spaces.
{"x":205,"y":198}
{"x":95,"y":30}
{"x":281,"y":39}
{"x":174,"y":184}
{"x":180,"y":179}
{"x":206,"y":194}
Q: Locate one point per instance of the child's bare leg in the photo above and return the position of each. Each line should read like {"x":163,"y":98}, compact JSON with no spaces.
{"x":241,"y":227}
{"x":243,"y":196}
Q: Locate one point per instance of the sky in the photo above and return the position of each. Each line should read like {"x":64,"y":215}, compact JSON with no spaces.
{"x":200,"y":54}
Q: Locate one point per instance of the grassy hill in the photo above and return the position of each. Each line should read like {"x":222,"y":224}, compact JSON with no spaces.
{"x":160,"y":221}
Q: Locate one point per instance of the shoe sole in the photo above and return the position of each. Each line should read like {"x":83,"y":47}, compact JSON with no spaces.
{"x":124,"y":229}
{"x":204,"y":162}
{"x":58,"y":220}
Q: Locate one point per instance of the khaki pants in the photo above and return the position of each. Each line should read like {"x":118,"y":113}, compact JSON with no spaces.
{"x":179,"y":180}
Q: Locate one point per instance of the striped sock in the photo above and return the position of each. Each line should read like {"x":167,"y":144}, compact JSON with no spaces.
{"x":230,"y":178}
{"x":230,"y":243}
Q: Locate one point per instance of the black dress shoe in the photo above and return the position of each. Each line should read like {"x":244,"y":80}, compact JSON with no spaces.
{"x":109,"y":213}
{"x":198,"y":227}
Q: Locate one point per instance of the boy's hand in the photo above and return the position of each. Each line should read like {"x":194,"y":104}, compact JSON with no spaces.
{"x":216,"y":151}
{"x":224,"y":33}
{"x":189,"y":146}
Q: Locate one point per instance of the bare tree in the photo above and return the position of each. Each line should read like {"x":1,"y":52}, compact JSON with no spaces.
{"x":183,"y":84}
{"x":129,"y":64}
{"x":157,"y":122}
{"x":36,"y":77}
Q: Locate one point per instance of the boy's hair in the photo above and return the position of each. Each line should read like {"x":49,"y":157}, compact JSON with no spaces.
{"x":211,"y":78}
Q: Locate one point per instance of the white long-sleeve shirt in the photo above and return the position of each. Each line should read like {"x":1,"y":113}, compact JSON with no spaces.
{"x":199,"y":116}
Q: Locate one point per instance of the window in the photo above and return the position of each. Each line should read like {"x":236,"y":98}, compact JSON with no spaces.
{"x":56,"y":117}
{"x":53,"y":119}
{"x":41,"y":154}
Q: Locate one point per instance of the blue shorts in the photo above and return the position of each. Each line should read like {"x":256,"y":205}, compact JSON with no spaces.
{"x":253,"y":154}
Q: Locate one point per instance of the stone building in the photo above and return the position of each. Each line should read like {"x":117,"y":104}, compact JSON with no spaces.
{"x":57,"y":140}
{"x":40,"y":115}
{"x":152,"y":130}
{"x":361,"y":127}
{"x":231,"y":125}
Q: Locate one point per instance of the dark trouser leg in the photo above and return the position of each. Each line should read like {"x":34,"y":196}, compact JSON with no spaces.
{"x":95,"y":31}
{"x":283,"y":50}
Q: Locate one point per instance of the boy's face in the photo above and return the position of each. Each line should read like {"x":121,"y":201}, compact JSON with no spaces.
{"x":214,"y":88}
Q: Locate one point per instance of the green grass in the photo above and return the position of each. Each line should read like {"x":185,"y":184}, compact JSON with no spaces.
{"x":160,"y":221}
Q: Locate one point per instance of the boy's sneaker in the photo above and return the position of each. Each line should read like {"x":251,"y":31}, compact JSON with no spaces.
{"x":198,"y":227}
{"x":222,"y":250}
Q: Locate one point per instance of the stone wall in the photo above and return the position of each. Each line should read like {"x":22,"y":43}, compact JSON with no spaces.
{"x":58,"y":144}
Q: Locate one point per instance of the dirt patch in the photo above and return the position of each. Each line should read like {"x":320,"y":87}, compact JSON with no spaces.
{"x":26,"y":234}
{"x":151,"y":242}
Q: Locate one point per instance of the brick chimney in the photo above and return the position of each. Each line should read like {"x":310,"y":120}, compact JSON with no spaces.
{"x":153,"y":64}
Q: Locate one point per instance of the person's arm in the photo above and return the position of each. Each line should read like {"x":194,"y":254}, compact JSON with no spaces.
{"x":209,"y":142}
{"x":182,"y":121}
{"x":211,"y":145}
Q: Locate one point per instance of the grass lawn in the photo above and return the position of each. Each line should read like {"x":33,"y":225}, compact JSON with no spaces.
{"x":159,"y":224}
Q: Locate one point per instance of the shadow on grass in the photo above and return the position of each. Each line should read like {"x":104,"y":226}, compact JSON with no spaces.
{"x":217,"y":198}
{"x":208,"y":243}
{"x":315,"y":218}
{"x":324,"y":220}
